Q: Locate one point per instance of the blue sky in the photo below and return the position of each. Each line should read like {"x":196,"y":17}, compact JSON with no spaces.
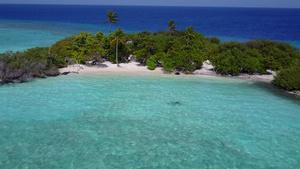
{"x":221,"y":3}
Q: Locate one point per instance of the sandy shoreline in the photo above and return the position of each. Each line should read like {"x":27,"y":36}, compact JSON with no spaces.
{"x":135,"y":68}
{"x":132,"y":68}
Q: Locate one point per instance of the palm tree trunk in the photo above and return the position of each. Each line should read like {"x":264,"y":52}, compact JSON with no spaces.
{"x":110,"y":27}
{"x":49,"y":50}
{"x":117,"y":52}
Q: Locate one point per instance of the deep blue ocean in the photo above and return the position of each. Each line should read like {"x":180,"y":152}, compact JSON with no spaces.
{"x":42,"y":25}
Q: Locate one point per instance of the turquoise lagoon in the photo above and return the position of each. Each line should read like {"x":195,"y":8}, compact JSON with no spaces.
{"x":18,"y":35}
{"x":104,"y":121}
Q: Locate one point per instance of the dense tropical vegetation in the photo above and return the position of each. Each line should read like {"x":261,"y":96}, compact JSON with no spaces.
{"x":175,"y":50}
{"x":253,"y":57}
{"x":289,"y":78}
{"x":32,"y":63}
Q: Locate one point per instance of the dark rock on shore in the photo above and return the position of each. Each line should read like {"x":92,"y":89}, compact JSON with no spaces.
{"x":65,"y":73}
{"x":295,"y":93}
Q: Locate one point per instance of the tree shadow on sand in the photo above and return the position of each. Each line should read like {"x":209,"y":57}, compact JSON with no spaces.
{"x":101,"y":65}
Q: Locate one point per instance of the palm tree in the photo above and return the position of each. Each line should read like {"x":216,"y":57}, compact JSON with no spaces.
{"x":189,"y":34}
{"x":112,"y":18}
{"x":119,"y":33}
{"x":172,"y":26}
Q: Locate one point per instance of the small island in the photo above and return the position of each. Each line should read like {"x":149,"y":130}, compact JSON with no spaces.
{"x":172,"y":51}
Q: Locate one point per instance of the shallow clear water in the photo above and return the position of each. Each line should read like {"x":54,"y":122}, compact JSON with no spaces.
{"x":19,"y":35}
{"x":90,"y":121}
{"x":22,"y":39}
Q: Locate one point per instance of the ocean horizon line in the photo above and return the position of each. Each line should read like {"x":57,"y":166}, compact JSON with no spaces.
{"x":174,"y":6}
{"x":228,"y":24}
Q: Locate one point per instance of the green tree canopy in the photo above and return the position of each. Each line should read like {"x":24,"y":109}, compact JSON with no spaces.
{"x":189,"y":33}
{"x":184,"y":51}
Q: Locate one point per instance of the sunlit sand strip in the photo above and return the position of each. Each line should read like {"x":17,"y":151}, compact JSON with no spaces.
{"x":135,"y":68}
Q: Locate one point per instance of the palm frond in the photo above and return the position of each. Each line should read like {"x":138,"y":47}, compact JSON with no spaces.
{"x":112,"y":16}
{"x":171,"y":25}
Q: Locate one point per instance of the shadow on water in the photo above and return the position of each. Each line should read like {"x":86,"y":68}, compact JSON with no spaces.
{"x":277,"y":91}
{"x":175,"y":103}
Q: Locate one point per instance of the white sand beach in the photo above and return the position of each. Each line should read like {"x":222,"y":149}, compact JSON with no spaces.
{"x":207,"y":69}
{"x":131,"y":68}
{"x":135,"y":68}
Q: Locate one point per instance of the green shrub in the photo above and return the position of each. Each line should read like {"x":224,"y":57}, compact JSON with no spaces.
{"x":288,"y":79}
{"x":252,"y":57}
{"x":151,"y":63}
{"x":227,"y":62}
{"x":214,"y":40}
{"x":32,"y":63}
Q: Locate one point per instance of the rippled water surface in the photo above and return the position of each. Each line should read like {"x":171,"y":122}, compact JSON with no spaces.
{"x":90,"y":121}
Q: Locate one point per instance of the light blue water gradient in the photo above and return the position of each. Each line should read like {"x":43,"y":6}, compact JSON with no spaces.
{"x":93,"y":121}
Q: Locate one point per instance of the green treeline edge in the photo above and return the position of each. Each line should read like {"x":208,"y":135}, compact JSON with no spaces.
{"x":176,"y":50}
